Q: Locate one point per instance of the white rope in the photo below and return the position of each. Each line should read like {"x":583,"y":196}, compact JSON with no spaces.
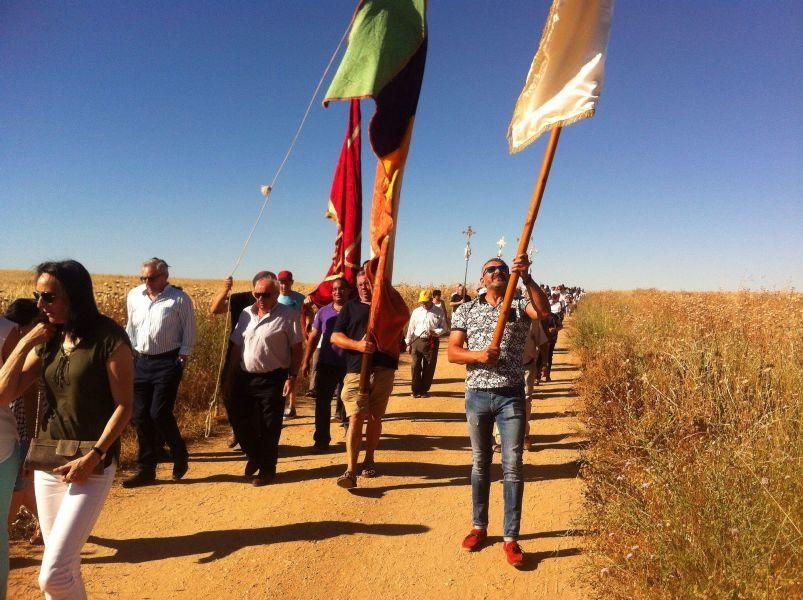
{"x":266,"y":190}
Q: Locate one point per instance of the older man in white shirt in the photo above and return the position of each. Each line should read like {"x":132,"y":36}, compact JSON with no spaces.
{"x":161,"y":326}
{"x":427,"y":324}
{"x":266,"y":344}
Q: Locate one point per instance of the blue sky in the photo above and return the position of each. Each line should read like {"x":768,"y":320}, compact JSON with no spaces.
{"x":129,"y":130}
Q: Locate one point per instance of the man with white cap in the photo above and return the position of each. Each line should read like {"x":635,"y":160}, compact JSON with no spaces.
{"x":427,"y":324}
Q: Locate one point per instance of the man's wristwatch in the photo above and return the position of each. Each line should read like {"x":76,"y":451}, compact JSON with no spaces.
{"x":99,"y":452}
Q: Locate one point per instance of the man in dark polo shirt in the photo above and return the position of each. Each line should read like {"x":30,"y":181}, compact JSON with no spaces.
{"x":349,"y":334}
{"x":495,"y":393}
{"x":331,"y":365}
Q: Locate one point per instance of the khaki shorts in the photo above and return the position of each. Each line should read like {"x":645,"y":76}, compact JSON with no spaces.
{"x":377,"y":401}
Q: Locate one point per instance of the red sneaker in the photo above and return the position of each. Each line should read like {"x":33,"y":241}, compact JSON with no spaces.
{"x":475,"y":540}
{"x":514,"y":553}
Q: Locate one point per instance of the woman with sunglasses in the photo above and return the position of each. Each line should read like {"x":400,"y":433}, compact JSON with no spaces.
{"x":83,"y":361}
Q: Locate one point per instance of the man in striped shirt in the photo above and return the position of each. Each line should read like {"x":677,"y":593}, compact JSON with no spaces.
{"x":161,"y":326}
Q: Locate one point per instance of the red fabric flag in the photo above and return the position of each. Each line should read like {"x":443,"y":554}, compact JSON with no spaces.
{"x":385,"y":61}
{"x":345,"y":209}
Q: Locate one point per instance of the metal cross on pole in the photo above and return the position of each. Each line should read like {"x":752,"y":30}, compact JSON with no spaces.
{"x":468,"y":232}
{"x":501,"y":243}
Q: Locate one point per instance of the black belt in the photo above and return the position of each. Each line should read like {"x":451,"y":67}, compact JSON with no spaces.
{"x":170,"y":354}
{"x":275,"y":374}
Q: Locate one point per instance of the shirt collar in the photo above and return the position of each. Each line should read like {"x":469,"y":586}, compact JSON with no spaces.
{"x":159,"y":295}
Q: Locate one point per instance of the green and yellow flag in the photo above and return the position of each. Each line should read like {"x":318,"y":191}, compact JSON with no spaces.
{"x":385,"y":61}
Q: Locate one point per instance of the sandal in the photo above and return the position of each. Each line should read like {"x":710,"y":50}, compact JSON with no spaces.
{"x":347,"y":480}
{"x":368,"y":470}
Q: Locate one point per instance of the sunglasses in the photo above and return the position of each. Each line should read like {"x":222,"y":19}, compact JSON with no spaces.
{"x":151,"y":278}
{"x":494,"y":268}
{"x":259,"y":295}
{"x":46,"y":297}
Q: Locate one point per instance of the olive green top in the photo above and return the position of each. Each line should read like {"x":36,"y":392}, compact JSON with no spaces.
{"x":76,"y":385}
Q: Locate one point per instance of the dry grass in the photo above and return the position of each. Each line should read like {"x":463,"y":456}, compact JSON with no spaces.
{"x":694,"y":470}
{"x":198,"y":385}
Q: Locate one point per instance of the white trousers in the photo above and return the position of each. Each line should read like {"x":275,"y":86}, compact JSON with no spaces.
{"x":67,"y":514}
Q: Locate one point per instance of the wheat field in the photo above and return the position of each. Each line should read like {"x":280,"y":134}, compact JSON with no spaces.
{"x":693,"y":408}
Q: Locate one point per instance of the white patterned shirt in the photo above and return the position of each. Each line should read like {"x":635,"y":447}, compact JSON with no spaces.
{"x":163,"y":324}
{"x":477,"y":319}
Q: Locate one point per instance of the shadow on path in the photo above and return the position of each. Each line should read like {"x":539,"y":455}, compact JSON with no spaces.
{"x":439,"y":475}
{"x":432,"y":417}
{"x":422,"y":443}
{"x":222,"y":543}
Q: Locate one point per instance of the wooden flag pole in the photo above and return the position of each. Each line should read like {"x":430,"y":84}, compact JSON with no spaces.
{"x":527,"y":231}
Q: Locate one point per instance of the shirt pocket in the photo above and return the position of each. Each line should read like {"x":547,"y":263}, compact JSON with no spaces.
{"x":169,"y":314}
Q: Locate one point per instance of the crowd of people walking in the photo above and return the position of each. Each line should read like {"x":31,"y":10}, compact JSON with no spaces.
{"x":72,"y":379}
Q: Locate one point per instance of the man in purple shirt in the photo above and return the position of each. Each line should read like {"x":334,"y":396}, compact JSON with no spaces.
{"x":331,"y":365}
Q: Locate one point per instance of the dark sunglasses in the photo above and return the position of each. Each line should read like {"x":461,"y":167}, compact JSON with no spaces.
{"x":494,"y":268}
{"x":151,"y":278}
{"x":46,"y":297}
{"x":259,"y":295}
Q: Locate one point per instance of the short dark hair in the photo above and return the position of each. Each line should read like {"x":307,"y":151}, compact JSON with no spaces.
{"x":262,"y":275}
{"x":76,"y":283}
{"x":436,"y":293}
{"x":22,"y":311}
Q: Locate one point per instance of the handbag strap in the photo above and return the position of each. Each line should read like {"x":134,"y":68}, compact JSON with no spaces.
{"x":40,"y":393}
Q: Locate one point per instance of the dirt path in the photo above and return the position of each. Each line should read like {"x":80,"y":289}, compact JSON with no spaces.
{"x":215,"y":536}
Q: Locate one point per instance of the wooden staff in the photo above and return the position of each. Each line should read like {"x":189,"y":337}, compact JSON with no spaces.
{"x":527,"y":231}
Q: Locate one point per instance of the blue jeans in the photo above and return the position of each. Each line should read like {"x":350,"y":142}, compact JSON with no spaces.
{"x":8,"y":475}
{"x":483,"y":408}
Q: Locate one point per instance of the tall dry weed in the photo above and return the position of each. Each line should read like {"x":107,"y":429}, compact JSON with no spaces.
{"x":694,"y":413}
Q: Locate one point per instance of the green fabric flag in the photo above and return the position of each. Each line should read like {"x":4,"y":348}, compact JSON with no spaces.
{"x":384,"y":36}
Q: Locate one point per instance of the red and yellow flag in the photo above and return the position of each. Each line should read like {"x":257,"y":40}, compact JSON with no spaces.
{"x":385,"y":61}
{"x":345,"y":209}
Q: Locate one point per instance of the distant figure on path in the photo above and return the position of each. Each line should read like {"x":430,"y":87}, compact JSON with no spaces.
{"x":439,"y":304}
{"x":427,"y":324}
{"x":350,"y":334}
{"x":331,"y":366}
{"x":495,"y":393}
{"x":161,"y":326}
{"x":263,"y":365}
{"x":459,"y":297}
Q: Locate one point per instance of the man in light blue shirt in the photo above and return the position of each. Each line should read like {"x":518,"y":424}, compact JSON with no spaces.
{"x":161,"y":326}
{"x":294,"y":300}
